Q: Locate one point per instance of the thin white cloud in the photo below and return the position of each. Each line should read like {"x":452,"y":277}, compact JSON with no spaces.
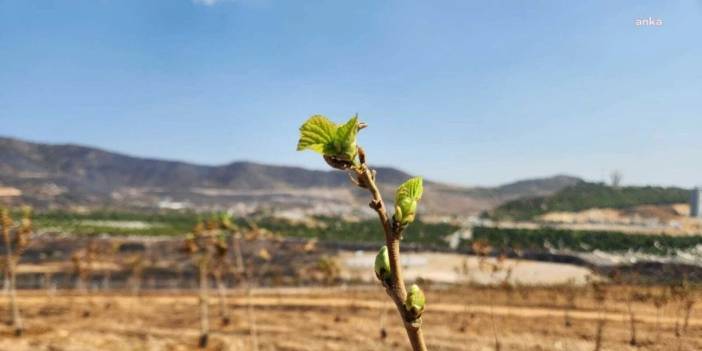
{"x":207,"y":2}
{"x":254,"y":3}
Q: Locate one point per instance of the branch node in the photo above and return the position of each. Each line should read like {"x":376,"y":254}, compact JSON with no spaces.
{"x":338,"y":163}
{"x":414,"y":324}
{"x":356,"y":181}
{"x":361,"y":155}
{"x":397,"y":229}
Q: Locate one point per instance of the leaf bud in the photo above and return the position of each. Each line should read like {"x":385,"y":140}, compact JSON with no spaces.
{"x":414,"y":304}
{"x":382,"y":266}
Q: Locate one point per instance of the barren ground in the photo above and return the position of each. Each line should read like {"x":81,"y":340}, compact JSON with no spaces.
{"x":457,"y":318}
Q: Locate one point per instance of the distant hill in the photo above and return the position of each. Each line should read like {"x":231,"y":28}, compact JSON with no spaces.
{"x":71,"y":175}
{"x":525,"y":188}
{"x":585,"y":195}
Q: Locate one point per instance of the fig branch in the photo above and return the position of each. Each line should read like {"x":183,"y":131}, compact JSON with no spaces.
{"x":337,"y":144}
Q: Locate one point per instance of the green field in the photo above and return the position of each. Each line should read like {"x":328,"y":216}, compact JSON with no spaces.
{"x":116,"y":223}
{"x":366,"y":231}
{"x":178,"y":223}
{"x":581,"y":240}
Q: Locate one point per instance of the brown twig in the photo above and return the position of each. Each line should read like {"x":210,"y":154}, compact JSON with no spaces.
{"x":338,"y":146}
{"x":16,"y":240}
{"x":365,"y":178}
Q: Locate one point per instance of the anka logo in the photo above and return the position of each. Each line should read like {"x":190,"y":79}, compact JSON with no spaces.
{"x":648,"y":22}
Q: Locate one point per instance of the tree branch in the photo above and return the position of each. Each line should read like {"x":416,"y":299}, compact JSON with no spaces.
{"x":318,"y":132}
{"x":396,"y":289}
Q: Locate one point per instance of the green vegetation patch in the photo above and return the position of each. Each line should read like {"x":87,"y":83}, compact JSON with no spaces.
{"x":584,"y":241}
{"x":117,"y":223}
{"x":365,"y":231}
{"x":584,"y":195}
{"x":178,"y":223}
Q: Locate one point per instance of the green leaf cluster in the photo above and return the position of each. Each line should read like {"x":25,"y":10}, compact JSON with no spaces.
{"x":323,"y":136}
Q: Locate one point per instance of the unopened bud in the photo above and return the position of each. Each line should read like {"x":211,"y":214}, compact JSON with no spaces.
{"x":415,"y":301}
{"x":405,"y":211}
{"x":382,"y":265}
{"x":407,"y":196}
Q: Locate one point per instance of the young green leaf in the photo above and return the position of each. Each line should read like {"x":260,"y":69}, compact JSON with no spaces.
{"x":382,"y":265}
{"x":321,"y":135}
{"x":316,"y":134}
{"x":415,"y":301}
{"x":345,"y":139}
{"x":406,"y":198}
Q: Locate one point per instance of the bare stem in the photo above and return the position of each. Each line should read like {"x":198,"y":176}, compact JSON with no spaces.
{"x":204,"y":305}
{"x":365,"y":178}
{"x":222,"y":294}
{"x":252,"y":318}
{"x":10,"y":262}
{"x":632,"y":322}
{"x":239,"y":258}
{"x":16,"y":317}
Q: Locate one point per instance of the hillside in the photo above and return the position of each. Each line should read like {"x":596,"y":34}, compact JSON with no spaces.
{"x":524,"y":188}
{"x":69,"y":175}
{"x":585,"y":195}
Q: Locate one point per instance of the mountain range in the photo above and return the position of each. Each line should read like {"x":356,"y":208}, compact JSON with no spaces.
{"x":68,"y":175}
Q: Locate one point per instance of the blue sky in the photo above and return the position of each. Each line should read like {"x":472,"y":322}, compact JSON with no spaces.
{"x":464,"y":92}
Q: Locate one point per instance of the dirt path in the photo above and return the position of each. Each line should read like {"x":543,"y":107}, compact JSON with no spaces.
{"x":285,"y":300}
{"x":506,"y":311}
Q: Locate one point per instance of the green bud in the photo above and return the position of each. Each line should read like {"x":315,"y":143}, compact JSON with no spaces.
{"x":405,"y":211}
{"x":415,"y":301}
{"x":406,"y":198}
{"x":382,"y":265}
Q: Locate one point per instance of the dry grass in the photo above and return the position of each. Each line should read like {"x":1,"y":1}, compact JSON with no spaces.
{"x":460,"y":318}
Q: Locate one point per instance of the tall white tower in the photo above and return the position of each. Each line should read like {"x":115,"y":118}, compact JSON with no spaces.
{"x":696,"y":203}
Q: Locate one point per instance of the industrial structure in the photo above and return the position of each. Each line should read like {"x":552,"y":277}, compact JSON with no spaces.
{"x":696,"y":203}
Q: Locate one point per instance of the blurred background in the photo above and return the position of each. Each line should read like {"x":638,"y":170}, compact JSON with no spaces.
{"x":559,"y":144}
